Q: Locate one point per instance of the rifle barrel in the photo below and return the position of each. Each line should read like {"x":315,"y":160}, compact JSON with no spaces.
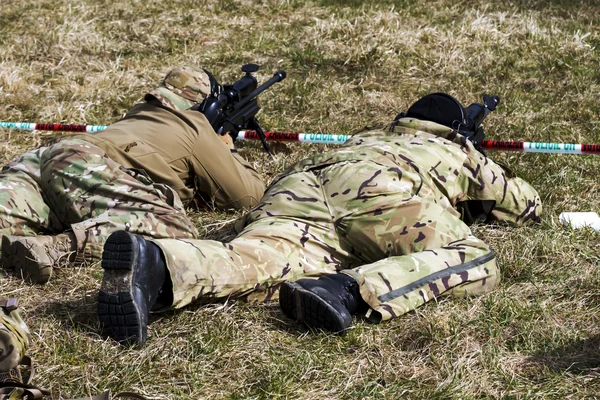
{"x":277,"y":77}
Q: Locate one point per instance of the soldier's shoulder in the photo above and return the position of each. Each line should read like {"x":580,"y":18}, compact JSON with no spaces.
{"x":372,"y":128}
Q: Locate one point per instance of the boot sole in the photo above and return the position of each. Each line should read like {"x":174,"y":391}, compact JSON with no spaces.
{"x":119,"y":315}
{"x":16,"y":255}
{"x":305,"y":306}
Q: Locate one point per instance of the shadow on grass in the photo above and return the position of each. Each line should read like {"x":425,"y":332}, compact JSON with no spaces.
{"x":277,"y":321}
{"x":578,"y":358}
{"x":76,"y":313}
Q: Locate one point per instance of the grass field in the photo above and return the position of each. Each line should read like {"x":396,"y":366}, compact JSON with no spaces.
{"x":349,"y":63}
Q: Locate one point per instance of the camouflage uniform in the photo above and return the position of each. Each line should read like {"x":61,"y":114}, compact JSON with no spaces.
{"x":382,"y":209}
{"x":14,"y":339}
{"x":74,"y":185}
{"x":137,"y":175}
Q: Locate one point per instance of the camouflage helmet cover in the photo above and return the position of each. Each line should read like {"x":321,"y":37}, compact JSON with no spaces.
{"x":182,"y":88}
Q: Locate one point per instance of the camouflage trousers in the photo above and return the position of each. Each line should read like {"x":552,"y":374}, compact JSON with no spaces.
{"x":73,"y":185}
{"x":400,"y":239}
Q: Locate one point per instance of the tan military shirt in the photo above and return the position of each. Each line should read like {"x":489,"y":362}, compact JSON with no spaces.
{"x":181,"y":150}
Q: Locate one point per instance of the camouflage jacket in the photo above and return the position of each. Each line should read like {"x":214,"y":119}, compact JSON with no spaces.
{"x":451,"y":169}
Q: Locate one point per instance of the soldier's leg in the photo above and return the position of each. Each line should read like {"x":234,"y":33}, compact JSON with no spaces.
{"x":412,"y":244}
{"x":97,"y":196}
{"x":290,"y":234}
{"x":27,"y":222}
{"x":399,"y":284}
{"x":278,"y":245}
{"x":268,"y":252}
{"x":424,"y":251}
{"x":253,"y":265}
{"x":23,"y":211}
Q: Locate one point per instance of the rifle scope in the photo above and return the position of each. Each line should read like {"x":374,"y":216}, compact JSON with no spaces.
{"x":242,"y":87}
{"x":277,"y":77}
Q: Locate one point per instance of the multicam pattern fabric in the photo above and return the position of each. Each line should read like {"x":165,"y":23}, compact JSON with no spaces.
{"x":381,"y":208}
{"x":182,"y":88}
{"x":14,"y":336}
{"x":73,"y":185}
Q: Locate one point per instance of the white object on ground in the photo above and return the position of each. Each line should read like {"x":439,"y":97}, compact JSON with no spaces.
{"x":580,"y":219}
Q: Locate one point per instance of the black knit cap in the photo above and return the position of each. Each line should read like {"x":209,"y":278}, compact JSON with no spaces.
{"x":440,"y":108}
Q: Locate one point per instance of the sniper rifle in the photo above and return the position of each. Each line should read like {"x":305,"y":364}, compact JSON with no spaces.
{"x":234,"y":106}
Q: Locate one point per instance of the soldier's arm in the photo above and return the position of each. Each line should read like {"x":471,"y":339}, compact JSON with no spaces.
{"x":516,"y":201}
{"x":223,"y":178}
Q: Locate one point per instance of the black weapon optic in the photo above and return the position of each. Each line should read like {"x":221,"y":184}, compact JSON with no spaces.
{"x":477,"y":112}
{"x":474,"y":116}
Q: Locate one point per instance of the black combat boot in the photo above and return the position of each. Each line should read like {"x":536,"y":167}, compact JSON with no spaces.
{"x":327,"y":303}
{"x":135,"y":274}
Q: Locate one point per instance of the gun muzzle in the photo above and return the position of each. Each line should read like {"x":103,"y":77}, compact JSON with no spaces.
{"x":280,"y":75}
{"x":277,"y":77}
{"x":491,"y":102}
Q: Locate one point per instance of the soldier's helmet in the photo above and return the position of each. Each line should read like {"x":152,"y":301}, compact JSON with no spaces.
{"x":14,"y":337}
{"x":184,"y":87}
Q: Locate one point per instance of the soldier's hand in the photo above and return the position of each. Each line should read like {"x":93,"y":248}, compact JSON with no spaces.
{"x":227,"y":140}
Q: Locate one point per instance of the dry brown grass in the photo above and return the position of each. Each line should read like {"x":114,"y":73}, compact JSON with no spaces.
{"x":349,"y":63}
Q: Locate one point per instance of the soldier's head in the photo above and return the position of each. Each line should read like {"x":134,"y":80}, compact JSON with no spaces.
{"x":184,"y":87}
{"x":445,"y":110}
{"x":440,"y":108}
